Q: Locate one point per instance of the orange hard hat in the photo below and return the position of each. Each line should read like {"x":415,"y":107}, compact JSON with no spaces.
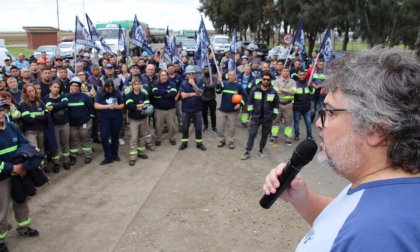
{"x":41,"y":61}
{"x":236,"y":98}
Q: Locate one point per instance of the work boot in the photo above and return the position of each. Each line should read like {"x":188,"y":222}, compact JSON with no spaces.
{"x":56,"y":168}
{"x":132,"y":162}
{"x":142,"y":155}
{"x":246,"y":155}
{"x":66,"y":166}
{"x":201,"y":147}
{"x":73,"y":160}
{"x":183,"y":146}
{"x":88,"y":160}
{"x":3,"y":247}
{"x":272,"y":140}
{"x":221,"y":144}
{"x":29,"y":232}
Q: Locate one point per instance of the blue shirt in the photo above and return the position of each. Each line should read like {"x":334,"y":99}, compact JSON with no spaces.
{"x":110,"y":115}
{"x":376,"y":216}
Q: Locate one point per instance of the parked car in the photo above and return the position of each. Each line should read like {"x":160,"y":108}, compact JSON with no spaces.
{"x":243,"y":44}
{"x":189,"y":45}
{"x":68,"y":49}
{"x":4,"y":53}
{"x":51,"y":50}
{"x":220,"y":43}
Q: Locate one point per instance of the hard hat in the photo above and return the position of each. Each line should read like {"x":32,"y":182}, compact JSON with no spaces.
{"x":145,"y":54}
{"x":76,"y":80}
{"x":184,"y":53}
{"x":190,"y":69}
{"x":147,"y":109}
{"x":41,"y":61}
{"x":236,"y":98}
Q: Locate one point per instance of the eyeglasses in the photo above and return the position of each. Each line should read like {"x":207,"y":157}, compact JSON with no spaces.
{"x":323,"y":114}
{"x":264,"y":79}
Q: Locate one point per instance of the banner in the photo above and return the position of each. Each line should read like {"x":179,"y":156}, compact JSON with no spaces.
{"x":203,"y":43}
{"x":299,"y":39}
{"x":122,"y":45}
{"x":174,"y":52}
{"x":232,"y":63}
{"x":96,"y":36}
{"x":81,"y":36}
{"x":326,"y":46}
{"x":167,"y":49}
{"x":138,"y":37}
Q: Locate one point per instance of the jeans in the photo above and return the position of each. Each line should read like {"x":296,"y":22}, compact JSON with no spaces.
{"x":209,"y":105}
{"x":253,"y":131}
{"x":307,"y":117}
{"x":110,"y":129}
{"x":316,"y":102}
{"x":196,"y":119}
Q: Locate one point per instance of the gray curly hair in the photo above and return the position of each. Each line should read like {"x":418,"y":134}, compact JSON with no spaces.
{"x":382,"y":87}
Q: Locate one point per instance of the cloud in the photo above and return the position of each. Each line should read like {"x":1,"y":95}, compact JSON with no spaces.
{"x":158,"y":13}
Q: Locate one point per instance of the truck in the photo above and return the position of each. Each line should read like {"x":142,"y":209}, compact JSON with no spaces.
{"x":110,"y":32}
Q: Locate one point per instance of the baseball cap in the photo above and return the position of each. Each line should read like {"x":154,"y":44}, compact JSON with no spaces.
{"x":7,"y":59}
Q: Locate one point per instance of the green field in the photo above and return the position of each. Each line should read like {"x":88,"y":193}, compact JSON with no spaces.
{"x":16,"y":50}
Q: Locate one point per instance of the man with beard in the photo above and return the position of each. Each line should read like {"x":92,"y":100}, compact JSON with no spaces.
{"x":369,"y":135}
{"x":263,"y":107}
{"x":34,"y":74}
{"x":209,"y":98}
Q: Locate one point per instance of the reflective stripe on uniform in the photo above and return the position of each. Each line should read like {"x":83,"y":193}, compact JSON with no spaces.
{"x":257,"y":95}
{"x":275,"y":130}
{"x":8,"y":150}
{"x":3,"y":235}
{"x":270,"y":97}
{"x":250,"y":107}
{"x":244,"y":117}
{"x":288,"y":131}
{"x":198,"y":140}
{"x":24,"y":223}
{"x":76,"y":104}
{"x":230,"y":91}
{"x":128,"y":101}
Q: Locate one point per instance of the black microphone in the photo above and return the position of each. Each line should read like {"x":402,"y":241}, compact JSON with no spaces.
{"x":302,"y":155}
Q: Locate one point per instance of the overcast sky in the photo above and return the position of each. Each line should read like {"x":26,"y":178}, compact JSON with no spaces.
{"x":181,"y":14}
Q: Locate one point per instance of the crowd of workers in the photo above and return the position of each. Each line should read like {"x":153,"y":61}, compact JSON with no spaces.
{"x":63,"y":106}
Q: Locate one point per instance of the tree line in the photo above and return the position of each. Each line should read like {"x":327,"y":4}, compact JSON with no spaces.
{"x":388,"y":22}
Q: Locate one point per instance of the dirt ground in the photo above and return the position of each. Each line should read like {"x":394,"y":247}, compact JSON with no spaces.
{"x":174,"y":201}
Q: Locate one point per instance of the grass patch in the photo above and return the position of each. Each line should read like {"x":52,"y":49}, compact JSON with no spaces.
{"x":16,"y":50}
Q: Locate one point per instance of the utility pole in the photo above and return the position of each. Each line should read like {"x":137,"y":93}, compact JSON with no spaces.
{"x":58,"y":17}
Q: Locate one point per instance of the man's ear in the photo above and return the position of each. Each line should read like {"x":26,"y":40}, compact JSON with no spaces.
{"x":376,"y":139}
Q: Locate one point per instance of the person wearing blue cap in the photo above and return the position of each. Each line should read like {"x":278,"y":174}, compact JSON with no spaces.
{"x":10,"y":140}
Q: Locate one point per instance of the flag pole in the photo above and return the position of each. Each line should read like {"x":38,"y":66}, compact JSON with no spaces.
{"x":215,"y":60}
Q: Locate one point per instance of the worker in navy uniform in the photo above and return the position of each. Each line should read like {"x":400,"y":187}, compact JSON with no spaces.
{"x":263,"y":103}
{"x":80,"y":109}
{"x":10,"y":139}
{"x":135,"y":102}
{"x":191,"y":91}
{"x":109,"y":102}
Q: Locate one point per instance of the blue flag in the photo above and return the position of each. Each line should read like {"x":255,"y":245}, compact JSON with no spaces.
{"x":231,"y":62}
{"x":82,"y":36}
{"x":299,"y":39}
{"x":138,"y":37}
{"x":326,"y":46}
{"x":167,"y":49}
{"x":203,"y":43}
{"x":96,"y":36}
{"x":174,"y":52}
{"x":122,"y":45}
